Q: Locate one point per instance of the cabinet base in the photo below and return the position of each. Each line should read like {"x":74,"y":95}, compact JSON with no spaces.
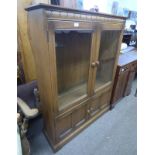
{"x":59,"y":145}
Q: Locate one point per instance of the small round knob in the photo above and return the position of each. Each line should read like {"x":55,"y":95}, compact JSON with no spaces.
{"x":93,"y":64}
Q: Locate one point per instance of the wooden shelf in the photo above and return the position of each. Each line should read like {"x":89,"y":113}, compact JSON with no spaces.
{"x":99,"y":83}
{"x":75,"y":94}
{"x":72,"y":95}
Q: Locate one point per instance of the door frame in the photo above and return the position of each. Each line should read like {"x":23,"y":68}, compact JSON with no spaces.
{"x":104,"y":27}
{"x":70,"y":25}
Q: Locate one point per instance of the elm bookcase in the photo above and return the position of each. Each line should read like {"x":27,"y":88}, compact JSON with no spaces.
{"x":76,"y":54}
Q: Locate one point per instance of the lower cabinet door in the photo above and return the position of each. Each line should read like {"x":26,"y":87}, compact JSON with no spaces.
{"x":130,"y":79}
{"x":128,"y":85}
{"x":67,"y":123}
{"x":63,"y":126}
{"x":79,"y":116}
{"x":120,"y":84}
{"x":94,"y":106}
{"x":70,"y":121}
{"x":105,"y":99}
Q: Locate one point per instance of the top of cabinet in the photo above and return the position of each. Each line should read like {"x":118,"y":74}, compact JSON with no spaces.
{"x":70,"y":10}
{"x":127,"y":58}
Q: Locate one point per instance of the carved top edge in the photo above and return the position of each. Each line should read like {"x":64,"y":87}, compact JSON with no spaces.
{"x":69,"y":10}
{"x":78,"y":16}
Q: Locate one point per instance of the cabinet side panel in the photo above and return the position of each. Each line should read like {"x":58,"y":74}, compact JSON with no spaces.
{"x":39,"y":42}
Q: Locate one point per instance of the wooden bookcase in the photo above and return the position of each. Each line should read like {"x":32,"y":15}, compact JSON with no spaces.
{"x":76,"y":55}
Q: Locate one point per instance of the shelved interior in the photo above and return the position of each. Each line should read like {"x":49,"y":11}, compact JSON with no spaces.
{"x":73,"y":59}
{"x":73,"y":63}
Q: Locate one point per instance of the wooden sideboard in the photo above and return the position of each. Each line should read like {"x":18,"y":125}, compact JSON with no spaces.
{"x":76,"y":54}
{"x":125,"y":73}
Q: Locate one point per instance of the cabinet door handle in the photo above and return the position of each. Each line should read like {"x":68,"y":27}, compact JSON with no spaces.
{"x":93,"y":64}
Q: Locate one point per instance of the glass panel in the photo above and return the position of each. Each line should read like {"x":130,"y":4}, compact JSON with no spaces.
{"x":107,"y":54}
{"x":73,"y":58}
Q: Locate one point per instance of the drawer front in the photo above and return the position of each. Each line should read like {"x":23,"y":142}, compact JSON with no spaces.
{"x":69,"y":122}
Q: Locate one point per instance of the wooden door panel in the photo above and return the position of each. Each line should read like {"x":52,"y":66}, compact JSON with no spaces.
{"x":130,"y":78}
{"x":67,"y":122}
{"x":79,"y":116}
{"x":105,"y":99}
{"x":129,"y":83}
{"x":94,"y":106}
{"x":120,"y":86}
{"x":63,"y":126}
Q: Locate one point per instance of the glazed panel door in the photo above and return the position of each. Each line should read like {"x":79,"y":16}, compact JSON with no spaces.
{"x":106,"y":56}
{"x":73,"y":42}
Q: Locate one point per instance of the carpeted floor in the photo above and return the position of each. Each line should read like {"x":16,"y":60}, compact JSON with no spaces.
{"x":114,"y":133}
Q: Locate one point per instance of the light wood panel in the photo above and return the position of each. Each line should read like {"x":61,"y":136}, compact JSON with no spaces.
{"x":27,"y":56}
{"x":26,"y":50}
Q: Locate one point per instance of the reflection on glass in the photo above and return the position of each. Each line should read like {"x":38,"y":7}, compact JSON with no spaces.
{"x":73,"y":58}
{"x":107,"y":53}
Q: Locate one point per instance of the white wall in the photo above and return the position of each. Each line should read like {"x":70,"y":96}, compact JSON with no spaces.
{"x":105,"y":5}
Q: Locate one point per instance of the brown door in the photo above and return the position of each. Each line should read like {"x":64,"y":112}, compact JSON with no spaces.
{"x":73,"y":43}
{"x":69,"y":122}
{"x":130,"y":79}
{"x":121,"y":83}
